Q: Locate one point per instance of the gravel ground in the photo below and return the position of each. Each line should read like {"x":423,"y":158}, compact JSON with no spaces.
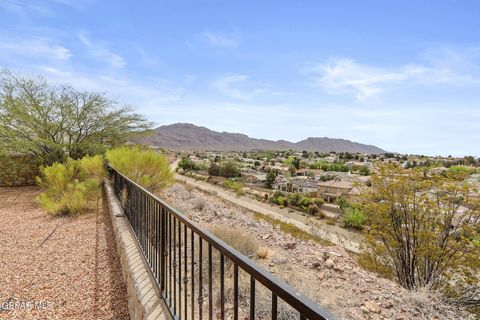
{"x":74,"y":274}
{"x":326,"y":274}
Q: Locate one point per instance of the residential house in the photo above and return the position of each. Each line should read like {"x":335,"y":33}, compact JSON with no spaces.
{"x":255,"y":178}
{"x":333,"y":189}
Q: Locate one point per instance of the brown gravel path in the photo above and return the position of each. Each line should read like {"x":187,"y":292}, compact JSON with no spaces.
{"x":75,"y":274}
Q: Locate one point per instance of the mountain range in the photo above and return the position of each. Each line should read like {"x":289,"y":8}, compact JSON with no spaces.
{"x":189,"y":137}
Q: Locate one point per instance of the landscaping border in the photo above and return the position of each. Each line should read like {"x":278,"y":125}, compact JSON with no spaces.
{"x":144,"y":299}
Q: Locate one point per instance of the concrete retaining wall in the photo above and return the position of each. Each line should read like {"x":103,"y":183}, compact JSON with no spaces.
{"x":144,"y":300}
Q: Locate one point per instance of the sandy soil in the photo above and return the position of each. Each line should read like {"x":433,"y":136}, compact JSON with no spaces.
{"x":74,"y":274}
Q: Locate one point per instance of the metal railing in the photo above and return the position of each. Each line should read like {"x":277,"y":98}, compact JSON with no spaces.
{"x":198,"y":275}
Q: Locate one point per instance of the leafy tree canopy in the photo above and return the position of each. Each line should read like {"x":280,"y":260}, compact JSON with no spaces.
{"x":57,"y":122}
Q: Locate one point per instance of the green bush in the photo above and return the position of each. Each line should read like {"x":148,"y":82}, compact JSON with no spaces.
{"x":144,"y":166}
{"x":318,"y":201}
{"x":353,"y":218}
{"x":304,"y":203}
{"x":187,"y":165}
{"x":281,"y":201}
{"x":235,"y":186}
{"x":71,"y":187}
{"x":294,"y":199}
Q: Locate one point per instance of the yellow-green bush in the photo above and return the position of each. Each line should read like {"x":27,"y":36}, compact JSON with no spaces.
{"x":71,"y":187}
{"x":235,"y":186}
{"x":144,"y":166}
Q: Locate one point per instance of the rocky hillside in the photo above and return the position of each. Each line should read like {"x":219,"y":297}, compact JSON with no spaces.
{"x":326,"y":274}
{"x":184,"y":136}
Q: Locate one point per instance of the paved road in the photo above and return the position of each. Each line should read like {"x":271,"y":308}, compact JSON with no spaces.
{"x":335,"y":234}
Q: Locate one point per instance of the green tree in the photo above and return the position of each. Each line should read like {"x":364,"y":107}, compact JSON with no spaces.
{"x":423,"y":231}
{"x":214,"y":169}
{"x":229,"y":169}
{"x":271,"y":176}
{"x":56,"y":122}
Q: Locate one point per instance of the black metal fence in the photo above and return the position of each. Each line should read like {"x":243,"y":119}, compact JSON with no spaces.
{"x":200,"y":276}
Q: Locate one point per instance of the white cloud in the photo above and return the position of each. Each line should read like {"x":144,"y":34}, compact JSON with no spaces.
{"x":36,"y":47}
{"x":346,"y":76}
{"x":144,"y":95}
{"x":219,"y":39}
{"x":236,"y":86}
{"x":100,"y":51}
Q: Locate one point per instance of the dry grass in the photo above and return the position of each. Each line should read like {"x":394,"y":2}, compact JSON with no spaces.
{"x":292,"y":230}
{"x":263,"y":253}
{"x":236,"y":238}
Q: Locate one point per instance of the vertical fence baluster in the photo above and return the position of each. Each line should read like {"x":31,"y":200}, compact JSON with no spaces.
{"x":192,"y":272}
{"x":222,"y":286}
{"x":274,"y":306}
{"x":174,"y":244}
{"x":185,"y":275}
{"x":200,"y":278}
{"x":170,"y":258}
{"x":252,"y":297}
{"x":235,"y":292}
{"x":179,"y":270}
{"x":210,"y":283}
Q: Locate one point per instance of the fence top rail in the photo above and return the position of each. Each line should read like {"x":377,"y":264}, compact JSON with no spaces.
{"x":297,"y":300}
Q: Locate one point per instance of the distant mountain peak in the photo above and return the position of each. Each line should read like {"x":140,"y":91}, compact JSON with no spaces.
{"x":187,"y":136}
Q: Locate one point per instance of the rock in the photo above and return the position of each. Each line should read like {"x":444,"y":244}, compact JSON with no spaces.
{"x":279,"y":260}
{"x":372,"y":307}
{"x":290,"y":245}
{"x":364,"y":309}
{"x":338,"y":267}
{"x":321,"y":275}
{"x":329,"y":263}
{"x":316,"y":265}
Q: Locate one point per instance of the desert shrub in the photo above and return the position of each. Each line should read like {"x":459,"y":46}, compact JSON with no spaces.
{"x":343,"y":203}
{"x":424,"y":231}
{"x":144,"y":166}
{"x":71,"y":187}
{"x":318,"y":201}
{"x":187,"y":164}
{"x":294,"y":199}
{"x":313,"y":209}
{"x":353,"y":218}
{"x":235,"y":186}
{"x":199,"y":204}
{"x":237,"y":239}
{"x":281,"y":201}
{"x":304,"y":203}
{"x":262,"y":253}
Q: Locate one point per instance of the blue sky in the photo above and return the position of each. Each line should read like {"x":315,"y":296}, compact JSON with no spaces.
{"x":403,"y":75}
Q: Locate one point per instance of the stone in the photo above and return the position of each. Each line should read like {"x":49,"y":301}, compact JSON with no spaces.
{"x":329,"y":263}
{"x":372,"y":307}
{"x":290,"y":245}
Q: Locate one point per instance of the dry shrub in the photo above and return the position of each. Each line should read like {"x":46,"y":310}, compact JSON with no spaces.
{"x":234,"y":237}
{"x":199,"y":203}
{"x":263,"y":253}
{"x":263,"y":301}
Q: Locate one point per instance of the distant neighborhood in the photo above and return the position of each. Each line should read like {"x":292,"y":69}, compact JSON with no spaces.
{"x":320,"y":184}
